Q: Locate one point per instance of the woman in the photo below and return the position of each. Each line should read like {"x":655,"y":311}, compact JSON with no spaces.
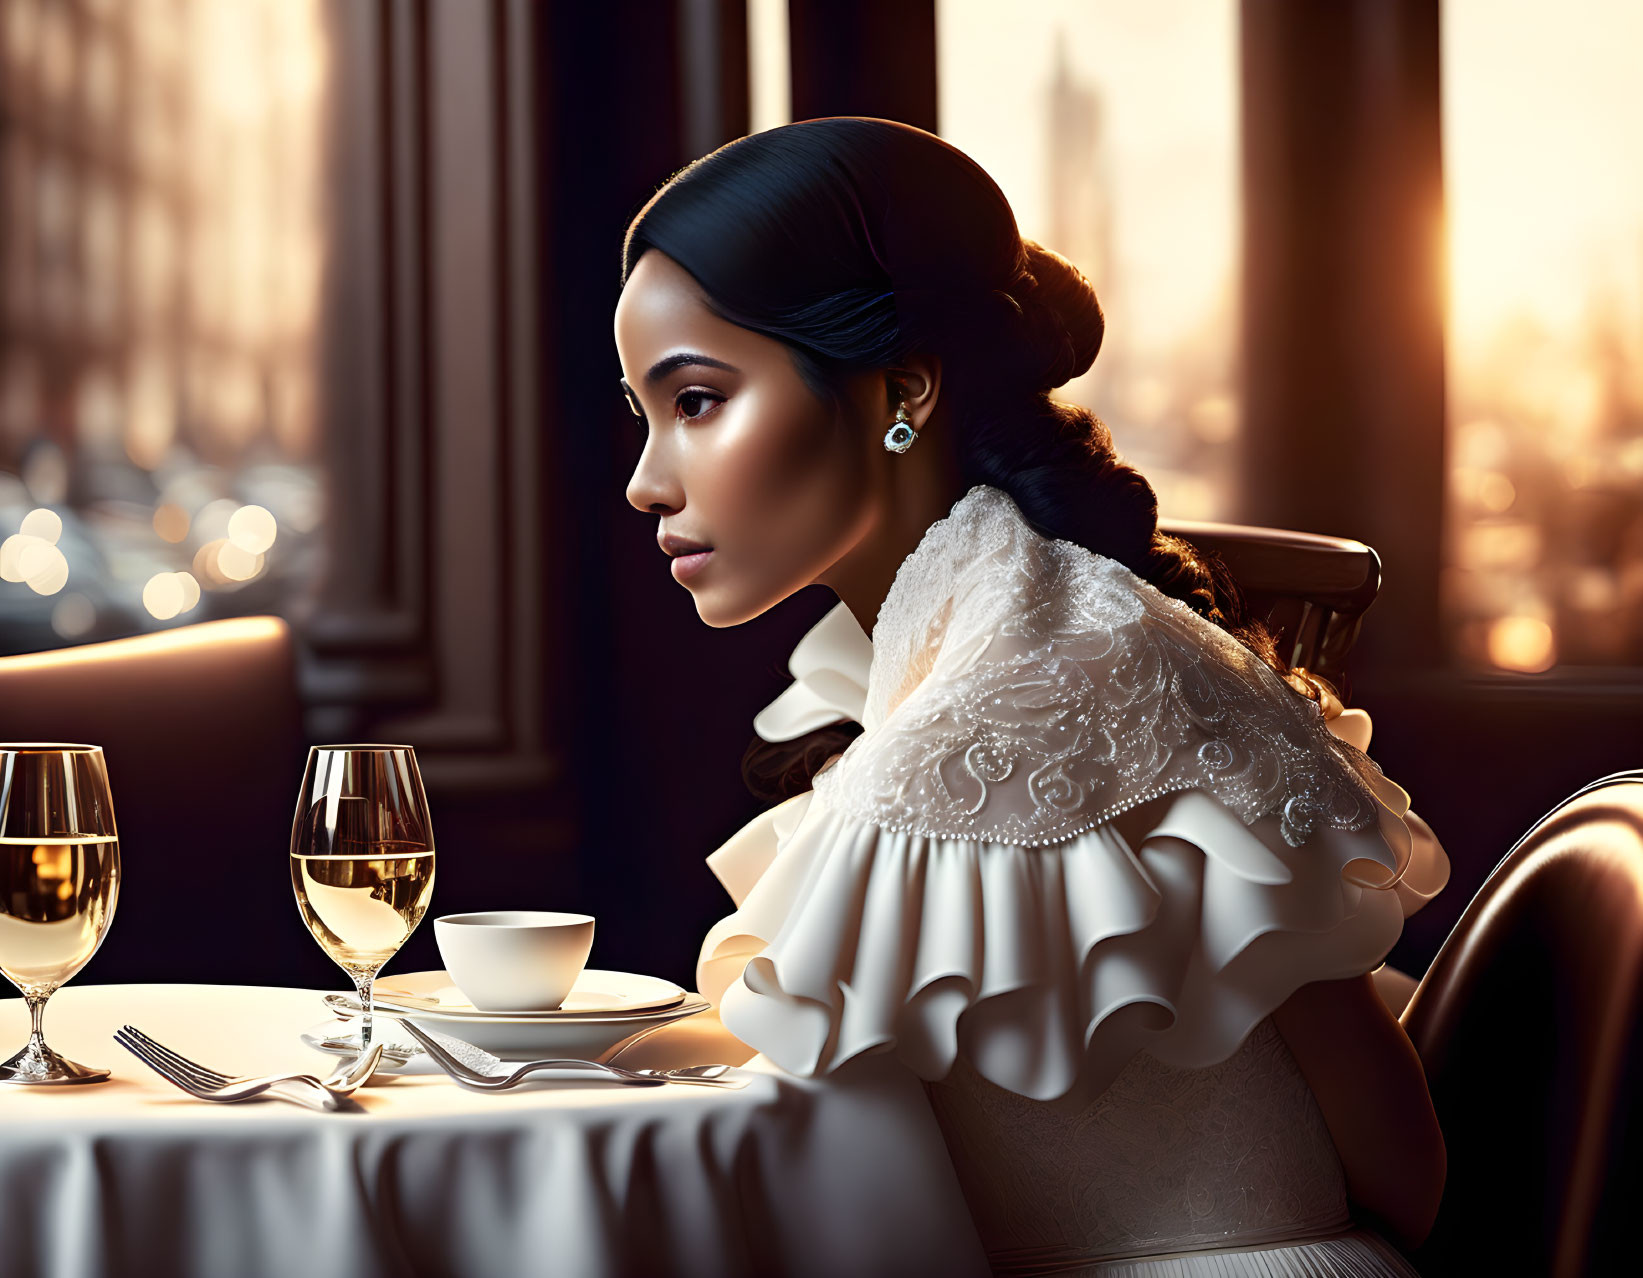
{"x":1096,"y":868}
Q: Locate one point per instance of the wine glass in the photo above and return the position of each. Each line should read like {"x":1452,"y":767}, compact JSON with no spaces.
{"x":59,"y":881}
{"x":362,"y":857}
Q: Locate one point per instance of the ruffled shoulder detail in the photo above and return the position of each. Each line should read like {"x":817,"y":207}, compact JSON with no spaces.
{"x":1025,"y":690}
{"x":1081,"y":822}
{"x":830,"y":670}
{"x":1175,"y":927}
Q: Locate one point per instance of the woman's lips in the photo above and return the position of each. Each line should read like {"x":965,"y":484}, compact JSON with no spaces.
{"x":687,"y":566}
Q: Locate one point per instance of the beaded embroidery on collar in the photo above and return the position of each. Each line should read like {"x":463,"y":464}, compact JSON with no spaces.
{"x":1024,"y":690}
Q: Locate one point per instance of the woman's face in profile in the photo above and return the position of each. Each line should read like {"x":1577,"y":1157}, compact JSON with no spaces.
{"x":740,"y":456}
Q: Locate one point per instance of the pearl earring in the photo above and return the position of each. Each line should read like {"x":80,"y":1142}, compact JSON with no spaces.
{"x":900,"y":437}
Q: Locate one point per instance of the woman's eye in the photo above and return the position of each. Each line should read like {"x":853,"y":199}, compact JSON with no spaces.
{"x":694,"y":403}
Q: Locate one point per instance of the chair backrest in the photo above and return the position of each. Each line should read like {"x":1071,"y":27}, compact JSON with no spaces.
{"x":1528,"y":1025}
{"x":202,"y":732}
{"x":1311,"y":589}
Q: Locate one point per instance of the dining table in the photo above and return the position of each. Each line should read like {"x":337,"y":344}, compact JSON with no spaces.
{"x":842,"y":1175}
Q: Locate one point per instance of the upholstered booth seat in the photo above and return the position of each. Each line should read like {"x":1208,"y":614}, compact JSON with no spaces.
{"x":1530,"y":1026}
{"x":202,"y":732}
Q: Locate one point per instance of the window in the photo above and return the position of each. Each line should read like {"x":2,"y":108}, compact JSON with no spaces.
{"x":1544,"y":555}
{"x":160,"y":269}
{"x":769,"y":97}
{"x":1112,"y":128}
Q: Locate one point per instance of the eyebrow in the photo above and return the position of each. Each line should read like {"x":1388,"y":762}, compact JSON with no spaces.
{"x":662,"y":367}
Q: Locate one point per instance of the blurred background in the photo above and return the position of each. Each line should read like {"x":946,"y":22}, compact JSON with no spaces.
{"x":305,"y":310}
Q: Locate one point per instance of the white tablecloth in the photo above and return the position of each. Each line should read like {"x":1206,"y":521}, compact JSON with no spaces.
{"x":785,"y":1176}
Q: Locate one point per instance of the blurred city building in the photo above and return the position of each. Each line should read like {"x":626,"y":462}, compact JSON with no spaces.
{"x":1113,"y":131}
{"x":1544,"y":547}
{"x":161,"y":260}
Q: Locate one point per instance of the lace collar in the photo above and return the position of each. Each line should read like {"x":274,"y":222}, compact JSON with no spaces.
{"x":833,"y":665}
{"x":912,"y":620}
{"x":1025,"y":689}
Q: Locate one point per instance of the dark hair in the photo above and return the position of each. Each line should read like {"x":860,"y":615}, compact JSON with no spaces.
{"x":856,"y":242}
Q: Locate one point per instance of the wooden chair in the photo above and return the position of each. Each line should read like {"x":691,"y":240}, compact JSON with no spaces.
{"x":1530,"y":1025}
{"x":202,"y":732}
{"x":1311,"y":589}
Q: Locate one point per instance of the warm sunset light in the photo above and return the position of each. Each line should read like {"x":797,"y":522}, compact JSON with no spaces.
{"x":1163,"y":155}
{"x":163,"y":231}
{"x":203,"y":636}
{"x":151,"y":422}
{"x":770,"y":95}
{"x":1545,"y":333}
{"x":1115,"y":137}
{"x":1540,"y":245}
{"x":1521,"y":643}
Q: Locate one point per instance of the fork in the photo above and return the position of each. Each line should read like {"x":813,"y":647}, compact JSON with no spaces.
{"x":479,"y":1071}
{"x":208,"y":1084}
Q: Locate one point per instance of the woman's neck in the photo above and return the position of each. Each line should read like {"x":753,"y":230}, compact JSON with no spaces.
{"x":922,"y":490}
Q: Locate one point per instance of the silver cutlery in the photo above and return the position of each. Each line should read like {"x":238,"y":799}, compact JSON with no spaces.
{"x":478,"y":1070}
{"x":393,"y":1054}
{"x":207,"y":1084}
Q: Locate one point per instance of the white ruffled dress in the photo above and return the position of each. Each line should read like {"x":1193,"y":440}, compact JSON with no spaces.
{"x":1085,"y":845}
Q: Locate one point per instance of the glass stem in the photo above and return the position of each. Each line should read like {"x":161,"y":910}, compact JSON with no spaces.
{"x":362,"y":983}
{"x":37,"y":1016}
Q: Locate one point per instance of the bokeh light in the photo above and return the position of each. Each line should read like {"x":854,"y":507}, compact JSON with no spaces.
{"x":190,"y":589}
{"x":74,"y":616}
{"x":49,"y":576}
{"x":11,"y":556}
{"x":44,"y":524}
{"x":34,"y":558}
{"x":252,"y":529}
{"x":171,"y":522}
{"x":205,"y":565}
{"x":1521,"y":643}
{"x":163,"y":596}
{"x":236,"y":563}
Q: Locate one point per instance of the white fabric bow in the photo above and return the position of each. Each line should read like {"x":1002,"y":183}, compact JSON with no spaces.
{"x":829,"y":668}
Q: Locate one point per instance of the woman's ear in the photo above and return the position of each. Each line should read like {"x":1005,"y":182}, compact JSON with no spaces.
{"x":917,"y":384}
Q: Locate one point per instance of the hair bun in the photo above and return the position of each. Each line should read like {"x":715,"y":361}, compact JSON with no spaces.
{"x":1061,"y":323}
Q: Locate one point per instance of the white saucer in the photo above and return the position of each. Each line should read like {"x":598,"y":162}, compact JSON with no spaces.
{"x":580,"y":1039}
{"x":597,"y":993}
{"x":512,"y":1037}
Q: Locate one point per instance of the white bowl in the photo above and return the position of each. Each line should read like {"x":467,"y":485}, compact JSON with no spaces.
{"x":514,"y":960}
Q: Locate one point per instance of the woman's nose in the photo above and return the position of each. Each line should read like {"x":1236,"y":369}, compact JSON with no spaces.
{"x":652,"y":488}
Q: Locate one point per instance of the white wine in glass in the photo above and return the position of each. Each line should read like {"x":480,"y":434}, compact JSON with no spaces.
{"x":59,"y":883}
{"x":362,"y":857}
